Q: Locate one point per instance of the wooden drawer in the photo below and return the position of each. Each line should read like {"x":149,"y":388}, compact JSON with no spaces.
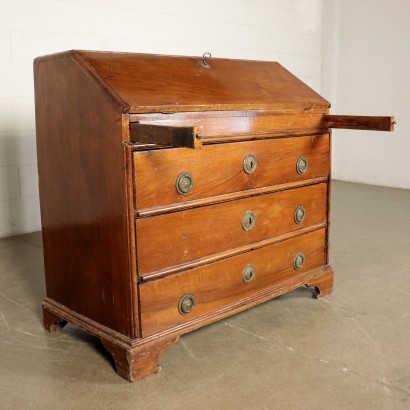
{"x":219,"y":169}
{"x":178,"y":237}
{"x":221,"y":283}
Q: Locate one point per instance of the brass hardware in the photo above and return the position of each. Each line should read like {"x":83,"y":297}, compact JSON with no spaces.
{"x":186,"y":304}
{"x":184,"y":183}
{"x":249,"y":273}
{"x":203,"y":62}
{"x":302,"y":165}
{"x":299,"y":214}
{"x":249,"y":164}
{"x":298,"y":261}
{"x":248,"y":221}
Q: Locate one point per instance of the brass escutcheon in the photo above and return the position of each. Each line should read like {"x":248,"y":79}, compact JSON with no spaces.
{"x":298,"y":261}
{"x":248,"y":221}
{"x":186,"y":304}
{"x":249,"y":273}
{"x":249,"y":164}
{"x":302,"y":165}
{"x":299,"y":214}
{"x":184,"y":183}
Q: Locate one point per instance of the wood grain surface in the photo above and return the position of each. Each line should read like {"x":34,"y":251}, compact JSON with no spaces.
{"x":88,"y":248}
{"x":178,"y":237}
{"x":218,"y":169}
{"x":157,"y":83}
{"x":180,"y":206}
{"x":220,"y":284}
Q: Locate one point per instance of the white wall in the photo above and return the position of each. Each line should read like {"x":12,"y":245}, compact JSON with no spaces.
{"x":368,"y":61}
{"x":288,"y":31}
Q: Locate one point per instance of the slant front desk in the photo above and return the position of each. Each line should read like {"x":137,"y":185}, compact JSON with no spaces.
{"x":176,"y":191}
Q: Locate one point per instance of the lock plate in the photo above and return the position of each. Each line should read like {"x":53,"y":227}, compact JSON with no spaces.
{"x":249,"y":273}
{"x":249,"y":164}
{"x":248,"y":221}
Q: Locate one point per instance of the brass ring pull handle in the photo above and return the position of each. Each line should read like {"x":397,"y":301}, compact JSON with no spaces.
{"x":186,"y":304}
{"x":299,"y":215}
{"x":249,"y":164}
{"x":184,"y":183}
{"x":302,"y":165}
{"x":248,"y":221}
{"x":298,"y":261}
{"x":249,"y":273}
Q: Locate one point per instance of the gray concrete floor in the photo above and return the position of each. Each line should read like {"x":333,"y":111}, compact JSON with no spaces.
{"x":349,"y":350}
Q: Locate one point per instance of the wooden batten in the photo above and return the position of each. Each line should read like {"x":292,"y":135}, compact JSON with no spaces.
{"x":176,"y":136}
{"x":358,"y":122}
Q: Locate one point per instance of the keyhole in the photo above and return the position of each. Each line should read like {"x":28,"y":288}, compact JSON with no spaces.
{"x":249,"y":273}
{"x":248,"y":221}
{"x":249,"y":164}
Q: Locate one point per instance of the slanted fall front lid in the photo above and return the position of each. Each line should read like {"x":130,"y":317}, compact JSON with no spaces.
{"x":158,"y":83}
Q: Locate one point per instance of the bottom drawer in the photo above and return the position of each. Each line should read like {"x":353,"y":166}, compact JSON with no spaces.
{"x":162,"y":302}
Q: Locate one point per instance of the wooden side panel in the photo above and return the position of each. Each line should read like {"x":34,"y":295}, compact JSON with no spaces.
{"x":178,"y":237}
{"x":220,"y":283}
{"x":83,"y":194}
{"x":218,"y":169}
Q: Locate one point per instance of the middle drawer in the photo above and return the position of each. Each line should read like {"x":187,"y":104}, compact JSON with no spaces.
{"x":179,"y":237}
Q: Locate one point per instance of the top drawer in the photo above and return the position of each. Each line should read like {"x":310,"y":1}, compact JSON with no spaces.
{"x":225,"y":168}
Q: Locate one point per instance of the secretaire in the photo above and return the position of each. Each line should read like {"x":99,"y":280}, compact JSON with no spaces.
{"x":176,"y":191}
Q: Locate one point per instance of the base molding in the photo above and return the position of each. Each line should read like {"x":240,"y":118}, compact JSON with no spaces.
{"x":137,"y":358}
